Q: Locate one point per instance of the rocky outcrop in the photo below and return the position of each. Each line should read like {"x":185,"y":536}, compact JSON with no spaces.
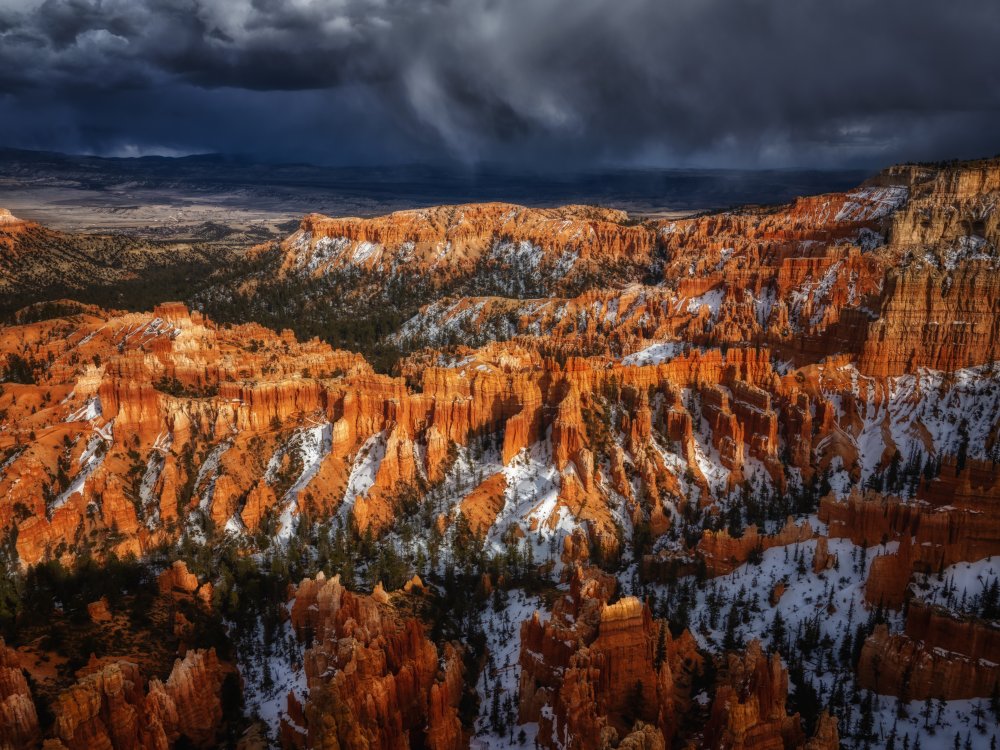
{"x":594,"y":666}
{"x":18,"y":717}
{"x":897,"y":664}
{"x":481,"y":506}
{"x":966,"y":529}
{"x":110,"y":706}
{"x":190,"y":699}
{"x":723,"y":554}
{"x":822,"y":559}
{"x":447,"y":241}
{"x":826,"y":736}
{"x":939,"y":655}
{"x":373,"y":674}
{"x":749,"y":706}
{"x":176,"y":581}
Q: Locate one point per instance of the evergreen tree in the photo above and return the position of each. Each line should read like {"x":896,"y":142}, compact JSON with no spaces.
{"x":778,"y":631}
{"x":661,"y":647}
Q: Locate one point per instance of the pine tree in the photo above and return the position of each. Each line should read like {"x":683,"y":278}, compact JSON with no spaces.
{"x":729,"y":641}
{"x":778,"y":631}
{"x":963,"y":451}
{"x":892,"y":479}
{"x":979,"y":713}
{"x":926,"y":712}
{"x":867,"y":721}
{"x":990,"y":607}
{"x":661,"y":647}
{"x":890,"y":742}
{"x":495,"y":710}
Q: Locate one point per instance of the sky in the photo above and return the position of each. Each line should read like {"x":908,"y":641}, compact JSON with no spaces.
{"x":550,"y":84}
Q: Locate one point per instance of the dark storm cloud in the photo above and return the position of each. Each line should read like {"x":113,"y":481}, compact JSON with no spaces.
{"x":537,"y":81}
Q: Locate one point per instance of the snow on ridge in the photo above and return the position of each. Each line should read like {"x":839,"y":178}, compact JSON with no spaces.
{"x":929,"y":404}
{"x":437,"y":322}
{"x":365,"y":250}
{"x":532,"y":495}
{"x":270,"y":703}
{"x":323,"y":251}
{"x":964,"y":580}
{"x":89,"y":411}
{"x":90,"y":460}
{"x":868,"y":204}
{"x":363,"y":471}
{"x":968,"y":248}
{"x":313,"y":444}
{"x":210,"y":471}
{"x":712,"y":298}
{"x":655,"y":354}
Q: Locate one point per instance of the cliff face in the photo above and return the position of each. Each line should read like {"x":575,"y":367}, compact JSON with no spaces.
{"x":945,"y":319}
{"x":722,"y":553}
{"x":940,"y":654}
{"x":373,"y":675}
{"x":899,"y":665}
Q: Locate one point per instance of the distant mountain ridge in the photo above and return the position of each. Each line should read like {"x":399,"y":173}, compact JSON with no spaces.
{"x":345,"y":190}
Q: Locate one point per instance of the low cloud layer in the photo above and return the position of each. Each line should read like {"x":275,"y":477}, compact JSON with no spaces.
{"x":558,"y":83}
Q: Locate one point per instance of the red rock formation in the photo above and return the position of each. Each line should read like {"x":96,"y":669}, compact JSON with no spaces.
{"x":889,"y":576}
{"x":190,"y":698}
{"x":450,"y":240}
{"x":373,"y":675}
{"x":723,"y":554}
{"x":177,"y":580}
{"x":939,"y":655}
{"x":897,"y":664}
{"x":822,"y":559}
{"x":930,"y":537}
{"x":770,"y":341}
{"x":18,"y":719}
{"x":945,"y":320}
{"x":749,"y":706}
{"x":99,"y":611}
{"x":482,"y":505}
{"x":109,"y":707}
{"x":594,"y":665}
{"x":826,"y":736}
